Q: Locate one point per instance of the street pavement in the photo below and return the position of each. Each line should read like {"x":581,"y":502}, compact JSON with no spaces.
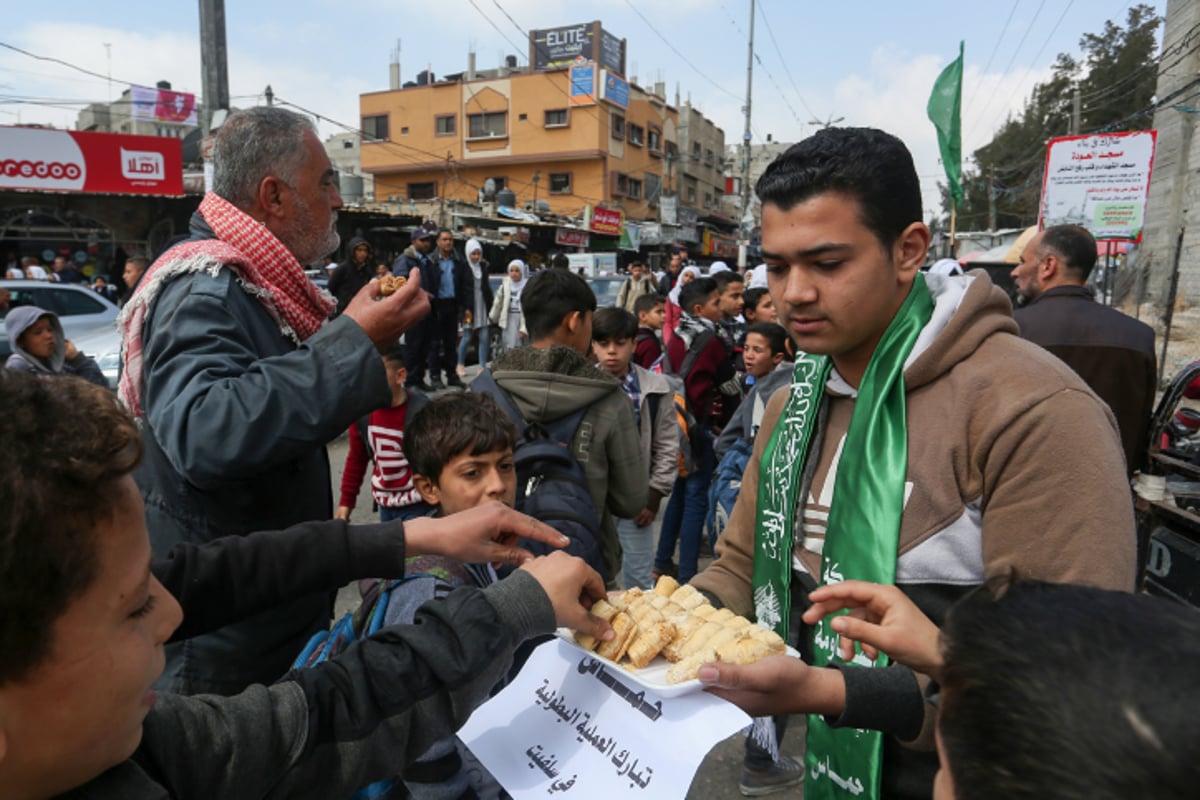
{"x":719,"y":773}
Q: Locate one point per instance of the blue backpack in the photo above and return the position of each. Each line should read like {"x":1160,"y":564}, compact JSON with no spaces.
{"x":725,"y":487}
{"x":551,"y":485}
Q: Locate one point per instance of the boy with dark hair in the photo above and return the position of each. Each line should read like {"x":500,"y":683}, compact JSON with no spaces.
{"x":757,"y":306}
{"x":1008,"y":667}
{"x":461,"y":449}
{"x":913,"y":446}
{"x":613,"y":335}
{"x":551,"y":378}
{"x":730,"y":286}
{"x":638,"y":284}
{"x":764,"y":350}
{"x":83,"y":621}
{"x":650,"y":310}
{"x":697,"y":354}
{"x":379,"y":438}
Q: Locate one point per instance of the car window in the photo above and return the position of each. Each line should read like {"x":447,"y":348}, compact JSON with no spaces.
{"x":71,"y":303}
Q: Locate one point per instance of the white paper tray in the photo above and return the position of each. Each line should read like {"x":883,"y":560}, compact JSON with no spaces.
{"x":652,"y":677}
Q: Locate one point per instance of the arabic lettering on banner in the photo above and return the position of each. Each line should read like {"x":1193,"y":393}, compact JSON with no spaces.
{"x":1100,"y":182}
{"x":571,"y":724}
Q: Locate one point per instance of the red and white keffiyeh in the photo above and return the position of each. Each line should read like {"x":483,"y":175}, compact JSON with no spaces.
{"x":265,"y":268}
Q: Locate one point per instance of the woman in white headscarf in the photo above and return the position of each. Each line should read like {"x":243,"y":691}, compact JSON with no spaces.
{"x":671,"y":321}
{"x":506,"y":310}
{"x":477,"y":325}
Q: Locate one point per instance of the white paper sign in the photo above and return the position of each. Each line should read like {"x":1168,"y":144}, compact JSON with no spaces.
{"x":1099,"y":181}
{"x":569,"y":725}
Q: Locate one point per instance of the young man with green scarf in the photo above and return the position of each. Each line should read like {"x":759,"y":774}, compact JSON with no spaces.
{"x":921,"y":443}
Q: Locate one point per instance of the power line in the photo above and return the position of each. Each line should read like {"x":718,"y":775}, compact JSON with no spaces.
{"x":676,"y":51}
{"x":1038,"y":55}
{"x":762,"y":11}
{"x":1011,"y":61}
{"x":75,"y":67}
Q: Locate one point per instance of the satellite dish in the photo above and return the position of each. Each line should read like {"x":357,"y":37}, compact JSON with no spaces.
{"x":489,"y":189}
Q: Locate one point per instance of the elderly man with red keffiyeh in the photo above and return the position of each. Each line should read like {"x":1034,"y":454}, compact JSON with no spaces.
{"x":239,"y":380}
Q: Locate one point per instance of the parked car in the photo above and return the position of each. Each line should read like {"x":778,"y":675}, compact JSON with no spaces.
{"x":606,"y":288}
{"x":81,"y":311}
{"x":104,"y":346}
{"x":1168,"y":494}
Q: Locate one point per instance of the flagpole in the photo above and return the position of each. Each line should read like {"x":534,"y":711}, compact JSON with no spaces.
{"x":953,"y":214}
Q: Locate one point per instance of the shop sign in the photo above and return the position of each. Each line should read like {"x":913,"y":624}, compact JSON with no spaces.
{"x":607,"y":221}
{"x":614,"y":89}
{"x":571,"y":237}
{"x":39,"y":159}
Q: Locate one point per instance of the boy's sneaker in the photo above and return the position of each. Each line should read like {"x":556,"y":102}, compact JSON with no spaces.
{"x":784,"y":773}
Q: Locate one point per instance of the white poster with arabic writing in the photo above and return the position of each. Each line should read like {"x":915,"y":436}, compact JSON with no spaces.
{"x":1099,"y":181}
{"x":570,"y":726}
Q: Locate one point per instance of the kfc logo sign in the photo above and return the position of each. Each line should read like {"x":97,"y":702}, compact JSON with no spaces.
{"x":142,"y":165}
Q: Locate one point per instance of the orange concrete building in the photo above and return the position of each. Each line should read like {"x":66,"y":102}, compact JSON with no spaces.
{"x":541,"y":134}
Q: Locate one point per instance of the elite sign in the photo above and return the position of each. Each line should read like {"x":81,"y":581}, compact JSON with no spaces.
{"x":38,"y":159}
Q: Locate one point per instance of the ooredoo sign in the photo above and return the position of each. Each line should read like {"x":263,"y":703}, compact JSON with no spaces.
{"x":37,"y":159}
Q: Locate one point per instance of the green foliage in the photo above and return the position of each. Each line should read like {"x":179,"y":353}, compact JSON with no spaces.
{"x":1116,"y":77}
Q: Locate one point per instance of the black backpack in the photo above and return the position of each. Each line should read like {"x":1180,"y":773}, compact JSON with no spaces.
{"x":551,"y":484}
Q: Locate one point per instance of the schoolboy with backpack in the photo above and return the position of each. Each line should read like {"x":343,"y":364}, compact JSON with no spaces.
{"x":561,"y":398}
{"x":697,"y":355}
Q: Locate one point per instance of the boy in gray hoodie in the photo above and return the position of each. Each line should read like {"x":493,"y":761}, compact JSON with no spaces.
{"x":39,"y":346}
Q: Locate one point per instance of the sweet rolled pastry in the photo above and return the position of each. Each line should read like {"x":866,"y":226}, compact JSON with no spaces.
{"x":390,"y":284}
{"x":678,"y":623}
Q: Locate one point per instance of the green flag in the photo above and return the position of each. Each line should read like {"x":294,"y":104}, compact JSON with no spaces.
{"x":945,"y":112}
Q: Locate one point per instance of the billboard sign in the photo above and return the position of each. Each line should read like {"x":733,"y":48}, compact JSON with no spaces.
{"x":607,"y":221}
{"x":553,"y":48}
{"x":162,"y":105}
{"x":40,"y":159}
{"x":583,"y":84}
{"x":614,"y":89}
{"x":1099,"y":181}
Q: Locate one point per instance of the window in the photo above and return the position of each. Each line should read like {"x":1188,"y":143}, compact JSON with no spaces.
{"x":482,"y":126}
{"x":695,"y":151}
{"x":422,"y":191}
{"x":708,"y":199}
{"x":691,"y":195}
{"x":653,"y":187}
{"x":375,"y":128}
{"x":635,"y":189}
{"x":404,"y":131}
{"x":637,"y":135}
{"x":654,"y":140}
{"x":348,"y":144}
{"x":556,"y":118}
{"x":500,"y":181}
{"x":708,"y":157}
{"x":446,"y":125}
{"x":618,"y":126}
{"x":72,"y":303}
{"x":560,"y":183}
{"x":522,"y":117}
{"x":620,"y":184}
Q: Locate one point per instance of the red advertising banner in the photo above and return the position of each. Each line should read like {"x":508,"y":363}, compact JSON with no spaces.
{"x":607,"y":221}
{"x":39,"y":159}
{"x":571,"y":237}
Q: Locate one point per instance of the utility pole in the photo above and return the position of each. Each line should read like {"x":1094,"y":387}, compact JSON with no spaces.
{"x":1076,"y":112}
{"x":745,"y":223}
{"x":213,"y":61}
{"x":991,"y":195}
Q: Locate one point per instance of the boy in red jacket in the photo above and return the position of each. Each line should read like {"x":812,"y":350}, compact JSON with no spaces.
{"x":379,"y":438}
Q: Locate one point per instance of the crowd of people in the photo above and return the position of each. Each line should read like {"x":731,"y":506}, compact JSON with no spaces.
{"x":841,"y":429}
